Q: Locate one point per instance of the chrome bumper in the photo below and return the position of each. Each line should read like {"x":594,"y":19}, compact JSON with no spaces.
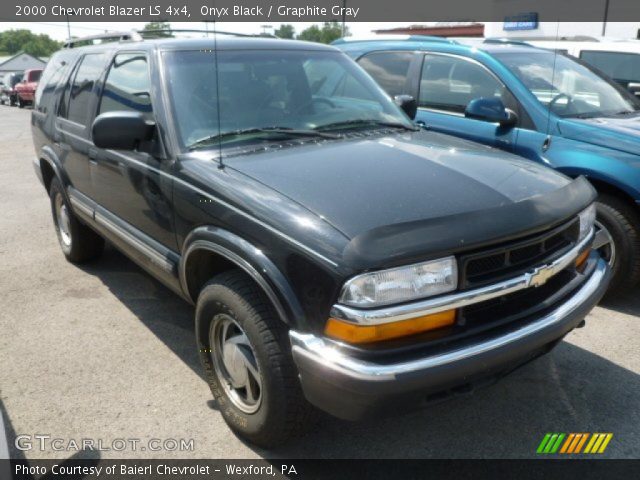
{"x":318,"y":350}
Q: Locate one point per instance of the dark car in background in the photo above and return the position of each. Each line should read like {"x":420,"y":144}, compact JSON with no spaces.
{"x":9,"y":94}
{"x":337,"y":255}
{"x":533,"y":102}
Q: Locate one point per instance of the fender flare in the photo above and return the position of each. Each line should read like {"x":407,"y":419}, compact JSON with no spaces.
{"x":251,"y":260}
{"x":48,"y":155}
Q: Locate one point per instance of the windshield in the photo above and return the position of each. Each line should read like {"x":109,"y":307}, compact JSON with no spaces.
{"x":267,"y":95}
{"x":572,"y":90}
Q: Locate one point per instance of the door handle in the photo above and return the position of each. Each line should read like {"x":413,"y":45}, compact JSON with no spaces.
{"x":93,"y":153}
{"x":421,"y":124}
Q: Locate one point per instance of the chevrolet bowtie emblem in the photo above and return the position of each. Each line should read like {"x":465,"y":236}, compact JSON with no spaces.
{"x":541,"y":275}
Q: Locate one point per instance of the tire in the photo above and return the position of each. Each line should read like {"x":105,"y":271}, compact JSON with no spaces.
{"x":78,"y":242}
{"x":281,"y":410}
{"x":622,"y":223}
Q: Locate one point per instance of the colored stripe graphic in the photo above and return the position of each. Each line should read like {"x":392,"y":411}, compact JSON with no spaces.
{"x":573,"y":443}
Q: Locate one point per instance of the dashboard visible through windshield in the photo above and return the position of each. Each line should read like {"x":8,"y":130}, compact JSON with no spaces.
{"x":566,"y":87}
{"x":262,"y":96}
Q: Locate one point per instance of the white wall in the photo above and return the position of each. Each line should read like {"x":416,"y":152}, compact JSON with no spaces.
{"x":625,"y":30}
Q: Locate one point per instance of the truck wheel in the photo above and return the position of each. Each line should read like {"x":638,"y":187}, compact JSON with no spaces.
{"x":245,"y":351}
{"x":618,"y":240}
{"x":78,"y":242}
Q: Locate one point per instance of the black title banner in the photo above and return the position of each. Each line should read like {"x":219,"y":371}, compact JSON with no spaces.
{"x":414,"y":11}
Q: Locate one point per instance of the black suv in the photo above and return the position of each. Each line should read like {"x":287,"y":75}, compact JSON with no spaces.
{"x":336,"y":254}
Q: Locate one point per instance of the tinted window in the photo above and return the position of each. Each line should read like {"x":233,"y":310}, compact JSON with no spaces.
{"x":450,"y":83}
{"x":53,"y":74}
{"x":389,"y":69}
{"x":619,"y":66}
{"x":80,"y":88}
{"x":127,"y":86}
{"x":34,"y":76}
{"x":287,"y":89}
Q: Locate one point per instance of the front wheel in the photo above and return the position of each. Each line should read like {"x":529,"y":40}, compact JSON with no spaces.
{"x":245,"y":352}
{"x":618,"y":241}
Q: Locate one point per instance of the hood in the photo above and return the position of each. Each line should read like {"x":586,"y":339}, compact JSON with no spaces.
{"x":359,"y":185}
{"x":619,"y":133}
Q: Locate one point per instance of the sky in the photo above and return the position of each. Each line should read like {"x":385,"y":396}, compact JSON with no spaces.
{"x":58,"y":30}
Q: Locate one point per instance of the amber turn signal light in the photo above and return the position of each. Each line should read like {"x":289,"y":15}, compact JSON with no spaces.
{"x":582,"y":259}
{"x":357,"y":334}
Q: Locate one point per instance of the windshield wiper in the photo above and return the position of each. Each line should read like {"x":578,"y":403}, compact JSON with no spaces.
{"x":267,"y":130}
{"x":364,"y":123}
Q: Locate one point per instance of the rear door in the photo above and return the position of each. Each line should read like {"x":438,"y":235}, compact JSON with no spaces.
{"x":134,"y":186}
{"x":73,"y":121}
{"x":447,"y":83}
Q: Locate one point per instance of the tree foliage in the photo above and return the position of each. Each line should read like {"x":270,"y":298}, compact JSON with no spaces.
{"x":285,"y":31}
{"x":14,"y":41}
{"x":159,"y":26}
{"x":329,"y":32}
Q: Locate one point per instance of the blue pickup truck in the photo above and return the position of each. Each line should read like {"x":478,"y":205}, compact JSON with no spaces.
{"x":537,"y":103}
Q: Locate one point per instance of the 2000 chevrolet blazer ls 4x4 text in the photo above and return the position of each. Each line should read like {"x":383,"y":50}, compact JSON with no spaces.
{"x":337,"y":255}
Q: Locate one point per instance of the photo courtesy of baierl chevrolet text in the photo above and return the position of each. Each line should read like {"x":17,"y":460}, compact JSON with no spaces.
{"x":309,"y":239}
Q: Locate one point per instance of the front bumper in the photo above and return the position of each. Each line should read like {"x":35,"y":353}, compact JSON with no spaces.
{"x":352,"y":388}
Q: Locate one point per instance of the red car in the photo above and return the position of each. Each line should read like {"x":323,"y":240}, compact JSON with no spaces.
{"x":27,"y":87}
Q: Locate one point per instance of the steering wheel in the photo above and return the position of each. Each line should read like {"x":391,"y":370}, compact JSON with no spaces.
{"x":555,"y":99}
{"x":326,"y":101}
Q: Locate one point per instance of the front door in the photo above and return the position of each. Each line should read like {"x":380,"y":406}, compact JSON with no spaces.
{"x":447,"y":84}
{"x":135,"y":186}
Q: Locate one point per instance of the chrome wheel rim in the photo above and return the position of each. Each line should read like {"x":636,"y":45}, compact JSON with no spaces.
{"x":63,"y":221}
{"x":235,"y":363}
{"x":603,"y":242}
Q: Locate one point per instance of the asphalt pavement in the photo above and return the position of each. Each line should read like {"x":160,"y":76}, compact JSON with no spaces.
{"x":104,"y":352}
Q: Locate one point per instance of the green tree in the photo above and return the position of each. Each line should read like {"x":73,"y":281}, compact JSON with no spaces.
{"x":158,"y":26}
{"x":14,"y":41}
{"x":285,"y":31}
{"x":329,"y":32}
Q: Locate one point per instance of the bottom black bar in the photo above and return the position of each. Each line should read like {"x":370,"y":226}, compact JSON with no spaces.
{"x":129,"y":469}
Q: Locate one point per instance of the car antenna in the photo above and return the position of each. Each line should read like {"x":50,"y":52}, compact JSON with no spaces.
{"x":215,"y":56}
{"x":547,"y":140}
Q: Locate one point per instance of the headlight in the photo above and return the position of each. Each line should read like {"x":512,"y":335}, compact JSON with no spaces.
{"x":401,"y":284}
{"x":587,"y":218}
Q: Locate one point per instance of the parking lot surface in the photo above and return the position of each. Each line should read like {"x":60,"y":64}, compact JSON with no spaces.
{"x":104,"y":352}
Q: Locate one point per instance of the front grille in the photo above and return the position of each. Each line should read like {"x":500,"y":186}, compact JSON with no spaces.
{"x":514,"y":258}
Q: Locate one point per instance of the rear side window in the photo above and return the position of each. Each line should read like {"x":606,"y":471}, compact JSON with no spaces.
{"x":77,"y":96}
{"x":34,"y":76}
{"x":127,"y":86}
{"x":389,"y":69}
{"x":52,"y":76}
{"x":619,"y":66}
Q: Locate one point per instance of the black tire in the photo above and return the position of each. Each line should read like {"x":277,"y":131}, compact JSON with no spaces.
{"x":283,"y":411}
{"x":78,"y":242}
{"x":623,"y":224}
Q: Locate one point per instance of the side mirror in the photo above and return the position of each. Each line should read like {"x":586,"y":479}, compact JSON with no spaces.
{"x":491,"y":110}
{"x":408,"y":104}
{"x":121,"y":130}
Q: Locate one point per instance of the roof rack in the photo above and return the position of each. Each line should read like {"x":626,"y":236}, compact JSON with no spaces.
{"x":392,"y":37}
{"x":131,"y":36}
{"x":139,"y":35}
{"x":507,"y":41}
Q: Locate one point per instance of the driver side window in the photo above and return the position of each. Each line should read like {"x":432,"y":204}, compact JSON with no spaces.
{"x":450,"y":83}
